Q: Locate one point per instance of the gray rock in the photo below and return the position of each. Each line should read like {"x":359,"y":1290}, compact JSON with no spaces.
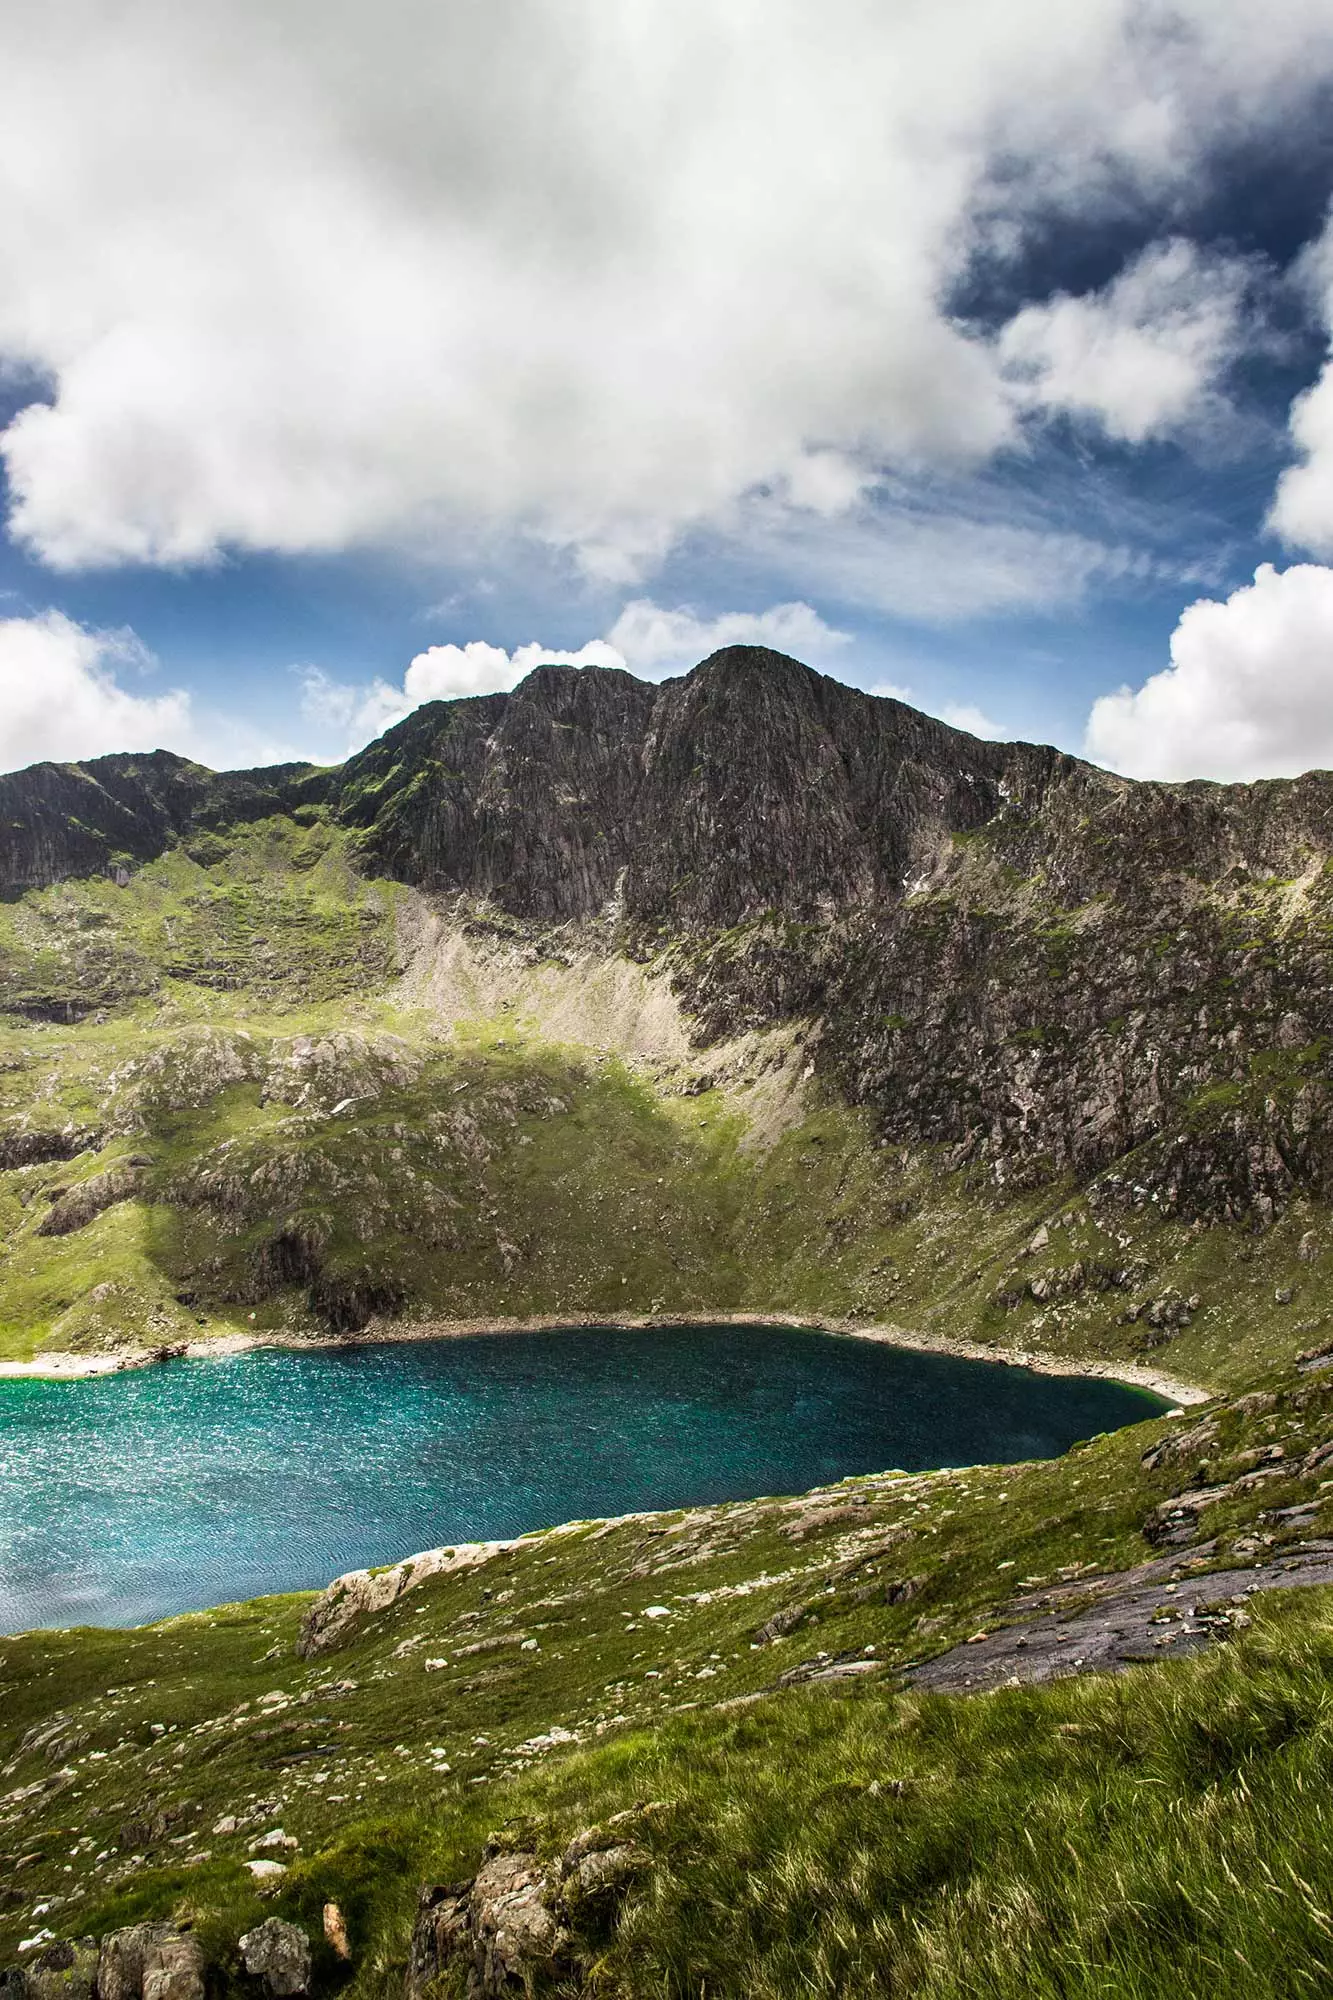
{"x":604,"y":1874}
{"x":516,"y":1934}
{"x":123,"y":1957}
{"x":279,"y":1954}
{"x":174,"y":1969}
{"x":64,"y":1970}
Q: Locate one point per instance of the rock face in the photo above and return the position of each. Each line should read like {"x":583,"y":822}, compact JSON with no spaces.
{"x":996,"y":949}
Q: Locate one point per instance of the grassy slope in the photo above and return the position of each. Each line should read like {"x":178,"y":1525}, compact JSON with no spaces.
{"x":1164,"y":1832}
{"x":1069,"y":1840}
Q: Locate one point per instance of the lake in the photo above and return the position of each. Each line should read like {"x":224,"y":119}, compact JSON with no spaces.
{"x":128,"y":1497}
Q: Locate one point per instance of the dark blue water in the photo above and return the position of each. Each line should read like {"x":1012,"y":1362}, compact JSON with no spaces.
{"x":132,"y":1496}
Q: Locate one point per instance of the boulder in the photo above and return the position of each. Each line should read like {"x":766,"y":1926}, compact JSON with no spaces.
{"x":123,"y":1958}
{"x":516,"y":1934}
{"x":279,"y":1954}
{"x":66,"y":1969}
{"x":174,"y":1969}
{"x":362,"y":1593}
{"x":511,"y":1924}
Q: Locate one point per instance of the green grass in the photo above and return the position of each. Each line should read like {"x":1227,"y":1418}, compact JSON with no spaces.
{"x":1132,"y":1836}
{"x":230,"y":1018}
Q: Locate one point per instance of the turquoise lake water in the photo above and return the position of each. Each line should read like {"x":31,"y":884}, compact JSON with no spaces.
{"x":132,"y":1496}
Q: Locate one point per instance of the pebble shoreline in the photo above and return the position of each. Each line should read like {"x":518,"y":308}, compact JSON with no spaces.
{"x":74,"y":1367}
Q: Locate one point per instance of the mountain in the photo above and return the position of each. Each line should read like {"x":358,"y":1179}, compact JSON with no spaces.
{"x":994,"y":947}
{"x":818,"y":980}
{"x":745,"y":993}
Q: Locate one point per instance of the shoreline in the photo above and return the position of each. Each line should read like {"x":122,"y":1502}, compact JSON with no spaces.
{"x":57,"y":1367}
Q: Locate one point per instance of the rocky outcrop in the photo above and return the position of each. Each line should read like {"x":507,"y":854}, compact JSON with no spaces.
{"x":338,"y":1610}
{"x":521,"y":1924}
{"x":141,"y":1962}
{"x":35,"y":1145}
{"x":91,"y":1198}
{"x":62,"y":1970}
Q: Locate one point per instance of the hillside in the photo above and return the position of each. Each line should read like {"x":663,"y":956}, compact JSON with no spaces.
{"x":747,"y":993}
{"x":750,"y":991}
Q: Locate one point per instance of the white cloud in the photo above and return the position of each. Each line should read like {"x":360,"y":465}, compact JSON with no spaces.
{"x":647,"y":639}
{"x":1302,"y":510}
{"x":654,"y":641}
{"x":1248,"y":694}
{"x":444,"y":673}
{"x":966,"y":715}
{"x":357,"y":712}
{"x":61,"y":699}
{"x":1142,"y":356}
{"x":304,"y":277}
{"x":67,"y":693}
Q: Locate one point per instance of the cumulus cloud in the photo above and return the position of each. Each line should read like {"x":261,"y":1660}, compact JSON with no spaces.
{"x":441,"y":673}
{"x":653,"y":641}
{"x":305,"y":277}
{"x":1142,"y":356}
{"x":1248,"y":694}
{"x":1302,"y":511}
{"x":61,"y":696}
{"x":647,"y":638}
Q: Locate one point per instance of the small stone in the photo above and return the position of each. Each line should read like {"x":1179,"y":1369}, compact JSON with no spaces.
{"x":279,"y":1954}
{"x":277,"y":1838}
{"x":1308,"y":1247}
{"x":1284,"y":1295}
{"x":1039,"y":1241}
{"x":227,"y":1824}
{"x":266,"y":1871}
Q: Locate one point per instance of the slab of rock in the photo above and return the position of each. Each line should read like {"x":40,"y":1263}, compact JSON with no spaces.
{"x":441,"y":1934}
{"x":515,"y":1931}
{"x":335,"y":1930}
{"x":1129,"y":1620}
{"x":279,"y":1954}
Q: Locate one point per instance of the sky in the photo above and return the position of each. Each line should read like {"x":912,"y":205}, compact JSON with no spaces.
{"x":973,"y":351}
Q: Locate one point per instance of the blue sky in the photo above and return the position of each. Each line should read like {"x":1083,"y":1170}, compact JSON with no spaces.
{"x":976,"y":352}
